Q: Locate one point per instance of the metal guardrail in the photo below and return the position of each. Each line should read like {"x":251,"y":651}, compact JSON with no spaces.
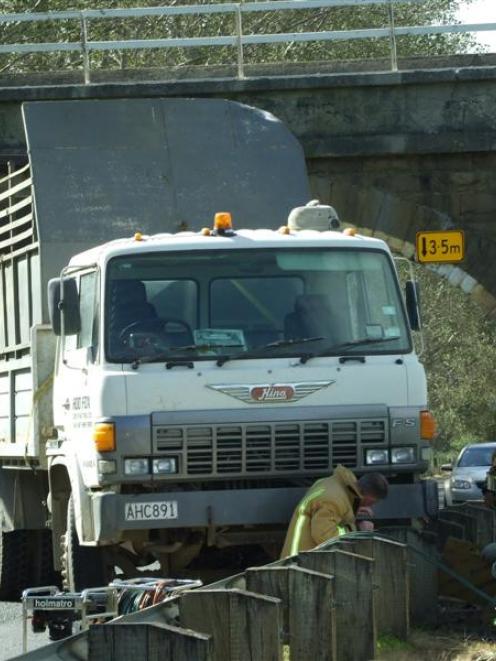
{"x":238,"y":40}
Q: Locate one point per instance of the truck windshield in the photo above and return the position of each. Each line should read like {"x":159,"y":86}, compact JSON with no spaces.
{"x":204,"y":305}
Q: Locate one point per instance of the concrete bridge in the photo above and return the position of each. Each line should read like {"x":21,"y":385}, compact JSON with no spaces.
{"x":395,"y":152}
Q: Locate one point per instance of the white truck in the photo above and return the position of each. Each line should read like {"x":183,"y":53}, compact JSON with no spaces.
{"x":201,"y":379}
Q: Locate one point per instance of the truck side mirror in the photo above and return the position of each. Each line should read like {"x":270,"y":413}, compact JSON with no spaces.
{"x":412,"y":304}
{"x":69,"y":306}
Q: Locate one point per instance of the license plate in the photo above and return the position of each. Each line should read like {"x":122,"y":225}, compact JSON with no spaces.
{"x":151,"y":511}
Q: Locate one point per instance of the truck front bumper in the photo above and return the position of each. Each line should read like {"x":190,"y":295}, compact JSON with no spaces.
{"x":113,"y":513}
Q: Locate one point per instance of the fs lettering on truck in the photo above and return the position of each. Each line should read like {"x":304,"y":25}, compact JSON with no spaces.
{"x":171,"y":383}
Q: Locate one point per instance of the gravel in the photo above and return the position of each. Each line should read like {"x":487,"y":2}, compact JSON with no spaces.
{"x":11,"y":631}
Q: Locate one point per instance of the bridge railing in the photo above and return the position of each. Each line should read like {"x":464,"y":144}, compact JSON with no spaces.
{"x":238,"y":40}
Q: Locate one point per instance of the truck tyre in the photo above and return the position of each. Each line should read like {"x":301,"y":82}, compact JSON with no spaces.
{"x":40,"y":543}
{"x":82,"y":566}
{"x":14,"y":564}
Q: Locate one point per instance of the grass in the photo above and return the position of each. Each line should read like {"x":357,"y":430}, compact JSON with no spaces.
{"x":391,"y":647}
{"x":430,"y":646}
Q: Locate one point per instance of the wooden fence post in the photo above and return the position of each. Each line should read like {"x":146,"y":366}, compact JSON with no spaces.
{"x":447,"y":529}
{"x":308,"y":608}
{"x":354,"y":600}
{"x":244,"y":626}
{"x":120,"y":641}
{"x":464,"y":519}
{"x":485,"y":524}
{"x":391,"y":580}
{"x":422,"y":554}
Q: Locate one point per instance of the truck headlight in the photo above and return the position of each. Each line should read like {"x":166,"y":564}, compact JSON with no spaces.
{"x":404,"y":455}
{"x":461,"y":484}
{"x":136,"y":466}
{"x":373,"y":457}
{"x":107,"y":466}
{"x":426,"y":454}
{"x":165,"y":465}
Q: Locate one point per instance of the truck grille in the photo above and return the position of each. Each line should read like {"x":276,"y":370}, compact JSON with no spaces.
{"x":263,"y":449}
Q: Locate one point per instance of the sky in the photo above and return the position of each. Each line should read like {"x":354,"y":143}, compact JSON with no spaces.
{"x":481,"y":11}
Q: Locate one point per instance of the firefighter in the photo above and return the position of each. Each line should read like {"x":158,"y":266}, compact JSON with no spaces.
{"x":330,"y":506}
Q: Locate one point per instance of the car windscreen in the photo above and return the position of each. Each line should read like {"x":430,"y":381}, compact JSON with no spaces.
{"x":476,"y":457}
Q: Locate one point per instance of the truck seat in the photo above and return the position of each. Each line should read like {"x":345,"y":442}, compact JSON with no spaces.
{"x":312,"y":317}
{"x":128,"y":304}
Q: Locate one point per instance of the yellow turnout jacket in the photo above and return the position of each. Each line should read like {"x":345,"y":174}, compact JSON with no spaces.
{"x":329,"y":503}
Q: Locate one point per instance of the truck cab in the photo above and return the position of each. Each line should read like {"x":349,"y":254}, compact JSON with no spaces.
{"x":171,"y":383}
{"x":205,"y":379}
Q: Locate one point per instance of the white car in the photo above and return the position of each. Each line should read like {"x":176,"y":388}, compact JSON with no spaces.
{"x":468,"y":473}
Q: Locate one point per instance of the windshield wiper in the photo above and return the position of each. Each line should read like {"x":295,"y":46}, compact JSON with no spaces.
{"x":262,"y":350}
{"x":345,"y":347}
{"x":155,"y":358}
{"x":205,"y":347}
{"x":171,"y":356}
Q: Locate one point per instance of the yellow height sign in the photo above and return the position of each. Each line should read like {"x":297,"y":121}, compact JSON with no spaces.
{"x":435,"y":247}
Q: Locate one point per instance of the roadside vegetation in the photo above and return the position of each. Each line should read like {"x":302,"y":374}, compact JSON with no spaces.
{"x":435,"y":646}
{"x":460,"y":360}
{"x":430,"y":646}
{"x":342,"y":18}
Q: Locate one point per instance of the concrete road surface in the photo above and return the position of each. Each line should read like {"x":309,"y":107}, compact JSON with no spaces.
{"x":11,"y":632}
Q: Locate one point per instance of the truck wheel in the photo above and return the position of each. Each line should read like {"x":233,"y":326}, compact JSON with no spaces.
{"x":14,"y":564}
{"x":82,"y":566}
{"x":40,"y":542}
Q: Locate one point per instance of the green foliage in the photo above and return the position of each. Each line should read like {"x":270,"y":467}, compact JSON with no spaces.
{"x":428,"y":12}
{"x":460,"y":361}
{"x":389,"y":643}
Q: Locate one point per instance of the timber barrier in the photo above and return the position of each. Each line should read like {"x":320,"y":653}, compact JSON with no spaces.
{"x":328,"y":604}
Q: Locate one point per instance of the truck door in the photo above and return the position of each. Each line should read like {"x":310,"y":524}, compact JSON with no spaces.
{"x":76,"y":367}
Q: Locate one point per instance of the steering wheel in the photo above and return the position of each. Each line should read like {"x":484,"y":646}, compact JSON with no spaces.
{"x":149,"y":326}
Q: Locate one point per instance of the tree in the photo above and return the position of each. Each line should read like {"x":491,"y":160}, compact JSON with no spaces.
{"x":460,"y":361}
{"x":346,"y":18}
